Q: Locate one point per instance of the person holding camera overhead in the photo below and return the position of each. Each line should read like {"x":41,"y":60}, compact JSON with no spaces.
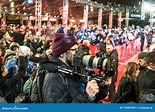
{"x":65,"y":88}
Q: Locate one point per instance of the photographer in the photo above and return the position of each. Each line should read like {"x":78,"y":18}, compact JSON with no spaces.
{"x":8,"y":83}
{"x":70,"y":89}
{"x":112,"y":56}
{"x":85,"y":47}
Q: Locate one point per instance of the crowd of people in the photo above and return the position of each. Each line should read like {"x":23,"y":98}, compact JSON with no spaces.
{"x":23,"y":48}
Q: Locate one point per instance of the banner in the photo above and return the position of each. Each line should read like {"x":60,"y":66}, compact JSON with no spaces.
{"x":85,"y":16}
{"x":120,"y":19}
{"x":110,"y":19}
{"x":100,"y":17}
{"x":65,"y":12}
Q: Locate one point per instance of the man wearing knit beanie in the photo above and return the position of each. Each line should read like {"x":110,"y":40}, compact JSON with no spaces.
{"x":59,"y":87}
{"x":62,"y":43}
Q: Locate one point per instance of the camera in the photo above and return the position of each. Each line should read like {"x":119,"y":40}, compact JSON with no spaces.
{"x":81,"y":60}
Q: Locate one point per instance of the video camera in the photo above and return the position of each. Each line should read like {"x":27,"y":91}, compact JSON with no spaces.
{"x":103,"y":63}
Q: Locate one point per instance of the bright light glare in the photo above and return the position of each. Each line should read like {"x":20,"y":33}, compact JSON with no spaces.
{"x":148,"y":6}
{"x":72,"y":20}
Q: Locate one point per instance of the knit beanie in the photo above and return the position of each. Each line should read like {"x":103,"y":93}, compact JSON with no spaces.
{"x":62,"y":43}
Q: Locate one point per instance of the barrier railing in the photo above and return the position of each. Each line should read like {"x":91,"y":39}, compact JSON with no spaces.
{"x":128,"y":49}
{"x":125,"y":50}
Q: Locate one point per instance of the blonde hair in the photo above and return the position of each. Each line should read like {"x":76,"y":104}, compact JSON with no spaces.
{"x":129,"y":71}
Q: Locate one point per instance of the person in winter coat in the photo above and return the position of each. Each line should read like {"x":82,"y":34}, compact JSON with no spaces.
{"x":19,"y":36}
{"x":142,"y":40}
{"x":147,"y":75}
{"x":149,"y":39}
{"x":64,"y":88}
{"x":102,"y":45}
{"x":8,"y":83}
{"x":85,"y":47}
{"x":32,"y":42}
{"x":127,"y":88}
{"x":112,"y":68}
{"x":12,"y":66}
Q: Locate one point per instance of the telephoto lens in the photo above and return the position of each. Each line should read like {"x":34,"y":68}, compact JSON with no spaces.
{"x":94,"y":62}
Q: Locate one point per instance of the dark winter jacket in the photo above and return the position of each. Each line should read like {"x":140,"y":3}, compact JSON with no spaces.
{"x":145,"y":77}
{"x":141,"y":67}
{"x":32,"y":44}
{"x":69,"y":90}
{"x":85,"y":49}
{"x":113,"y":59}
{"x":126,"y":92}
{"x":102,"y":46}
{"x":142,"y":37}
{"x":18,"y":37}
{"x":8,"y":83}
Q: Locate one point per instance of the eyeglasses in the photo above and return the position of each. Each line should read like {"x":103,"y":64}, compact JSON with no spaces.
{"x":74,"y":49}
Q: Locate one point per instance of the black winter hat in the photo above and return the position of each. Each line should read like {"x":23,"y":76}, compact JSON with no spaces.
{"x":142,"y":55}
{"x":150,"y":58}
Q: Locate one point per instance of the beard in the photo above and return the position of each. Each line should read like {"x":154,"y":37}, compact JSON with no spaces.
{"x":68,"y":61}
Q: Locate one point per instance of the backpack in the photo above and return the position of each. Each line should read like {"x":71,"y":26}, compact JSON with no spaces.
{"x":37,"y":83}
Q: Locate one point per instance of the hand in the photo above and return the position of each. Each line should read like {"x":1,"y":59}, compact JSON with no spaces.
{"x":92,"y":88}
{"x":108,"y":81}
{"x":5,"y":71}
